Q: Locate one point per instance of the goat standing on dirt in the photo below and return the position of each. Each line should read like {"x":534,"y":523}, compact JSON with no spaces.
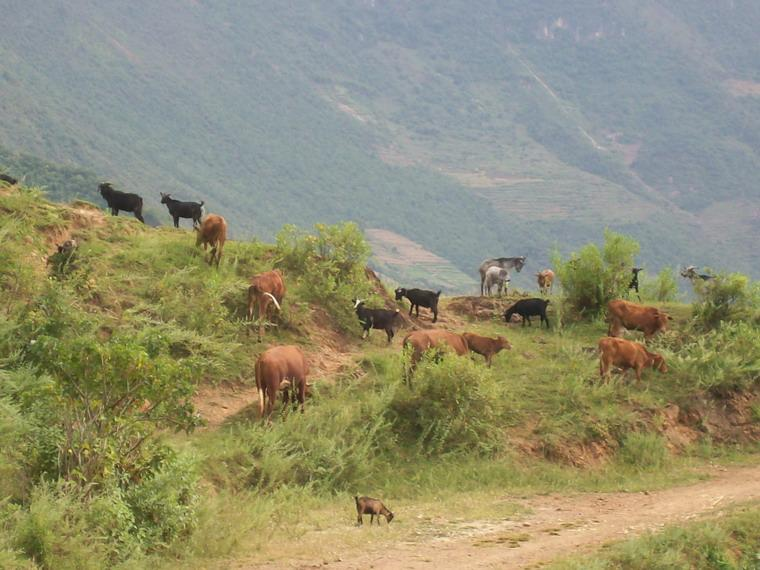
{"x":373,"y":508}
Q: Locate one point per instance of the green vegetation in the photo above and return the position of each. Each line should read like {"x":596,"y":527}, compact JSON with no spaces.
{"x":103,"y":361}
{"x":730,"y":542}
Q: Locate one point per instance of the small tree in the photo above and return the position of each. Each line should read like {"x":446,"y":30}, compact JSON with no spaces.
{"x":591,"y":278}
{"x":726,"y":298}
{"x":662,"y":288}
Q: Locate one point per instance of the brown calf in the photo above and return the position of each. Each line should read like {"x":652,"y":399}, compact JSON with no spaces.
{"x":373,"y":508}
{"x":265,"y":288}
{"x":275,"y":366}
{"x":213,"y":232}
{"x":626,"y":354}
{"x":545,"y":280}
{"x":486,"y":346}
{"x":422,"y":340}
{"x":626,"y":315}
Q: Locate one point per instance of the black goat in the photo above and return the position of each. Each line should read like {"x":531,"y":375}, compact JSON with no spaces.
{"x":527,"y":308}
{"x":9,"y":179}
{"x":634,"y":284}
{"x":121,"y":201}
{"x":382,"y":319}
{"x":420,"y":298}
{"x":178,"y":209}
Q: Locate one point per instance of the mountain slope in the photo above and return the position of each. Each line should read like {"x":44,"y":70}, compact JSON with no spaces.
{"x":505,"y":129}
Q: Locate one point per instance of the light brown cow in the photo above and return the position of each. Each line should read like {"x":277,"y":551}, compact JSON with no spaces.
{"x":486,"y":346}
{"x":275,"y":366}
{"x":626,"y":354}
{"x":265,"y":288}
{"x":213,"y":232}
{"x":545,"y":280}
{"x":626,"y":315}
{"x":422,"y":340}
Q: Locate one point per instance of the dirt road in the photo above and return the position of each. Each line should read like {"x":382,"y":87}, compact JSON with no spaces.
{"x":558,"y":526}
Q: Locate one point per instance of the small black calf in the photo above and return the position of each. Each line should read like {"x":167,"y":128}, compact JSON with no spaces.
{"x":121,"y":201}
{"x":178,"y":209}
{"x":527,"y":308}
{"x":382,"y":319}
{"x":420,"y":298}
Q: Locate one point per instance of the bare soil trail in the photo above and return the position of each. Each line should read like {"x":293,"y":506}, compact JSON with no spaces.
{"x":557,"y":526}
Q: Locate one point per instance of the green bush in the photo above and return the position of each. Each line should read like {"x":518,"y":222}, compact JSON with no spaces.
{"x":454,"y":406}
{"x":591,"y":278}
{"x":662,"y":289}
{"x":726,"y":299}
{"x":643,"y":450}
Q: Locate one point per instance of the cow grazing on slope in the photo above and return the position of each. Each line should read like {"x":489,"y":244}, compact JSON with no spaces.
{"x":121,"y":201}
{"x":486,"y":346}
{"x":213,"y":232}
{"x":265,"y":288}
{"x":275,"y":366}
{"x":373,"y":508}
{"x":527,"y":308}
{"x":381,"y":319}
{"x":626,"y":355}
{"x":507,"y":263}
{"x":420,"y":298}
{"x":423,"y":340}
{"x":545,"y":281}
{"x":177,"y":209}
{"x":499,"y":277}
{"x":626,"y":315}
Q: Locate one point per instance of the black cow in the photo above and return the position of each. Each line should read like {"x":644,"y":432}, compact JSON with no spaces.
{"x":121,"y":201}
{"x":420,"y":298}
{"x":527,"y":308}
{"x":9,"y":179}
{"x":178,"y":209}
{"x":382,"y":319}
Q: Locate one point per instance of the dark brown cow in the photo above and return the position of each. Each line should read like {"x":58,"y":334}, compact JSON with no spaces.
{"x":626,"y":315}
{"x":626,"y":354}
{"x":422,"y":340}
{"x":275,"y":366}
{"x":213,"y":232}
{"x":265,"y":288}
{"x":486,"y":346}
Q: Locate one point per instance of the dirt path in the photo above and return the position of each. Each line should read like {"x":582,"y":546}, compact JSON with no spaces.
{"x":557,"y":526}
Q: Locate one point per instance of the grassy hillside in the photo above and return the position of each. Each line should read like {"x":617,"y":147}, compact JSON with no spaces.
{"x":501,"y":130}
{"x":112,"y":361}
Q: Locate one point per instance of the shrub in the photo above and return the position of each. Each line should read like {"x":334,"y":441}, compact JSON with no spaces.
{"x":454,"y":406}
{"x":663,"y":288}
{"x":726,"y":299}
{"x":591,"y":278}
{"x":643,"y":450}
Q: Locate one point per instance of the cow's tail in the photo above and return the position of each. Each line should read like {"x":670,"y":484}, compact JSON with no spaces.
{"x":260,"y":388}
{"x":276,"y":304}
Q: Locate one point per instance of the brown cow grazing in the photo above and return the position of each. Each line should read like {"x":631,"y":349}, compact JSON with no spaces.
{"x":486,"y":346}
{"x":545,"y":281}
{"x":274,"y":366}
{"x":373,"y":508}
{"x":265,"y":288}
{"x":626,"y":315}
{"x":213,"y":232}
{"x":422,"y":340}
{"x":626,"y":354}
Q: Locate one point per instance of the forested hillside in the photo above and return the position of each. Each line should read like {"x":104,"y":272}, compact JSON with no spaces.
{"x":500,"y":128}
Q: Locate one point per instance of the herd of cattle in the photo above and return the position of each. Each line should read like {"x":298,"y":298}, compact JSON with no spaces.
{"x":281,"y":369}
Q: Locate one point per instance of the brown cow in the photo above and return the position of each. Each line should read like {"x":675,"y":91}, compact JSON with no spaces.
{"x":486,"y":346}
{"x":545,"y":281}
{"x":265,"y":288}
{"x":626,"y":354}
{"x":213,"y":232}
{"x":422,"y":340}
{"x":275,"y":366}
{"x":626,"y":315}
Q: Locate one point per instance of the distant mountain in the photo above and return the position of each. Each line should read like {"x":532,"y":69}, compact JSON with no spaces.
{"x":469,"y":129}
